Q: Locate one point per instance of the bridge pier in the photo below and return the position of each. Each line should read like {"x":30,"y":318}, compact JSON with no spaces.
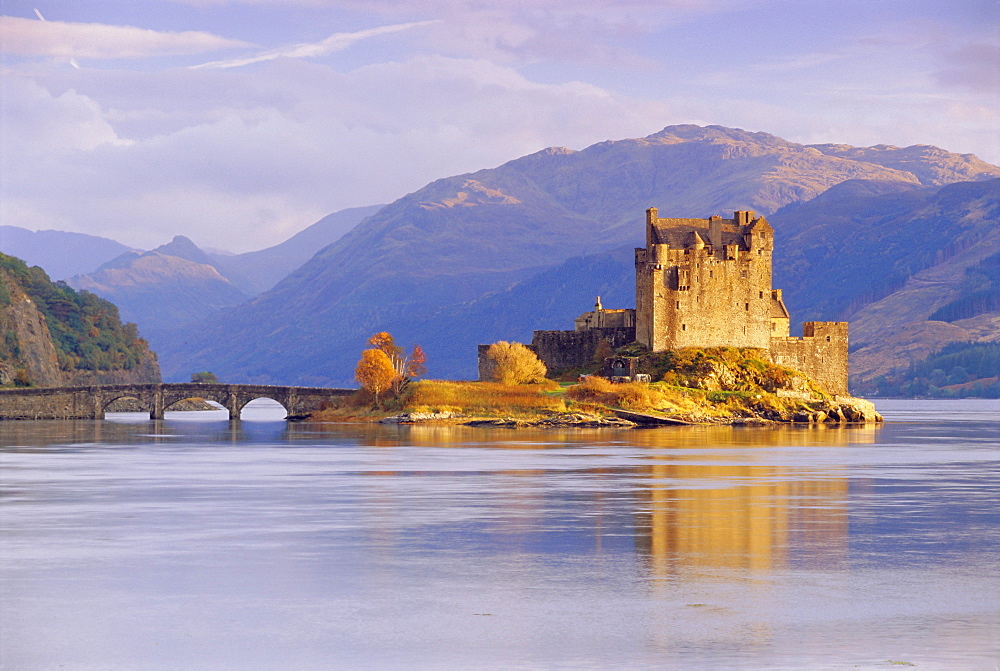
{"x":97,"y":402}
{"x":232,"y":404}
{"x":156,"y":412}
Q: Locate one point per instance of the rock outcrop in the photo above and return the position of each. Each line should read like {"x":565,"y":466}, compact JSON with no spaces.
{"x":36,"y":360}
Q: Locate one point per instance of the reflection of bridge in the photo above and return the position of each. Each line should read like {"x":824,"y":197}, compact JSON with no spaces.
{"x":91,"y":402}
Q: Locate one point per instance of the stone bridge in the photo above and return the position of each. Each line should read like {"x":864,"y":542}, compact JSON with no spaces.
{"x":91,"y":402}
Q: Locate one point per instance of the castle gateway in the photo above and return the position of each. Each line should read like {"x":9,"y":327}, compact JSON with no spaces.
{"x":704,"y":283}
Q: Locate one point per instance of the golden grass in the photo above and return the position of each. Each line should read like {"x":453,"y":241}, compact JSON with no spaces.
{"x":594,"y":395}
{"x":483,"y":397}
{"x":632,"y":395}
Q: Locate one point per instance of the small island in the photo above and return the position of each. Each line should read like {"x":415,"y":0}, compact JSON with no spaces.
{"x":708,"y":342}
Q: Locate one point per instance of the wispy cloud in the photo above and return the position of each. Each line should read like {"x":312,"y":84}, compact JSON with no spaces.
{"x":30,"y":37}
{"x":333,"y":43}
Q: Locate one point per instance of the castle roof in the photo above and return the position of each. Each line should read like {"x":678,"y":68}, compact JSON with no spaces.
{"x":684,"y":233}
{"x":678,"y":233}
{"x":778,"y":309}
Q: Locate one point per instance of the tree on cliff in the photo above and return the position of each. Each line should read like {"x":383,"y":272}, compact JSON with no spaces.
{"x":513,"y":363}
{"x":375,"y":372}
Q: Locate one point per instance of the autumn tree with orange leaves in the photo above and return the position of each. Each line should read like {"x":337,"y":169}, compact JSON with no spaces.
{"x":375,"y":372}
{"x":408,"y":365}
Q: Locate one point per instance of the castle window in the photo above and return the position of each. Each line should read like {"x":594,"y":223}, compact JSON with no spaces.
{"x":746,"y":306}
{"x":684,"y":327}
{"x":760,"y":294}
{"x":678,"y":305}
{"x":711,"y":273}
{"x":743,"y":274}
{"x":828,"y":338}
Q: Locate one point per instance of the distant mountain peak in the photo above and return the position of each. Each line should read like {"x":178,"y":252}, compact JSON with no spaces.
{"x":715,"y":134}
{"x":182,"y":247}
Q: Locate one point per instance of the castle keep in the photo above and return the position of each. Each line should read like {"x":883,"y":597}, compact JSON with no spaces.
{"x":704,"y":283}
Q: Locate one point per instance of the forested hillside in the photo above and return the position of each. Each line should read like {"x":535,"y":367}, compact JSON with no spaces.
{"x":55,"y":335}
{"x":958,"y":370}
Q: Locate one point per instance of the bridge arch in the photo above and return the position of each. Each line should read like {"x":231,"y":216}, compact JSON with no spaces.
{"x":143,"y":398}
{"x":262,"y":408}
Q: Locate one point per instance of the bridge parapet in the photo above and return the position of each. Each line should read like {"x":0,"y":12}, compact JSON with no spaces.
{"x":90,"y":402}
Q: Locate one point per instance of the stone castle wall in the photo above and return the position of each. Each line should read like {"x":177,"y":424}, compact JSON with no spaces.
{"x":821,"y":353}
{"x":563,"y":350}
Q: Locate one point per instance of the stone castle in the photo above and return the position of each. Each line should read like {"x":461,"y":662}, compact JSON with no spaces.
{"x":704,"y":283}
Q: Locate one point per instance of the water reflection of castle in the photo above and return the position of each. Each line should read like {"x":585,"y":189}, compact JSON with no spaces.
{"x":750,"y":510}
{"x":725,"y":504}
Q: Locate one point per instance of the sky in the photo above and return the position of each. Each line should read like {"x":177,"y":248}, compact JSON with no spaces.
{"x":240,"y":122}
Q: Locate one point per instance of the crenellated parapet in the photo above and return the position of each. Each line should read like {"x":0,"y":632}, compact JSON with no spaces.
{"x":821,"y":353}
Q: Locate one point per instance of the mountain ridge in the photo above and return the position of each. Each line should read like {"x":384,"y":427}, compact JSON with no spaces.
{"x":462,"y":237}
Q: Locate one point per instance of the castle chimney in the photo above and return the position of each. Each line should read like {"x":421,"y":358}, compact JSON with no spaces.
{"x":597,"y":305}
{"x":651,"y":219}
{"x":715,"y":231}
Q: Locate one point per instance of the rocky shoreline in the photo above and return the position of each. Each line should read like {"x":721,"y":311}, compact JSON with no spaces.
{"x":842,"y":410}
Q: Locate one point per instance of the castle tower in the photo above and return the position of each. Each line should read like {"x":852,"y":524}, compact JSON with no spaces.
{"x":705,"y":282}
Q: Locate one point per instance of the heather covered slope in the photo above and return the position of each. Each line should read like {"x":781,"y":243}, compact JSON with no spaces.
{"x":461,"y":238}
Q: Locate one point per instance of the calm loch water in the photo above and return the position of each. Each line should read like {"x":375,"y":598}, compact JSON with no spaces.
{"x":193,"y":543}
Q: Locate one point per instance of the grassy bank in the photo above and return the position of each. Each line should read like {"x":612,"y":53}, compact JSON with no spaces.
{"x":470,"y":399}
